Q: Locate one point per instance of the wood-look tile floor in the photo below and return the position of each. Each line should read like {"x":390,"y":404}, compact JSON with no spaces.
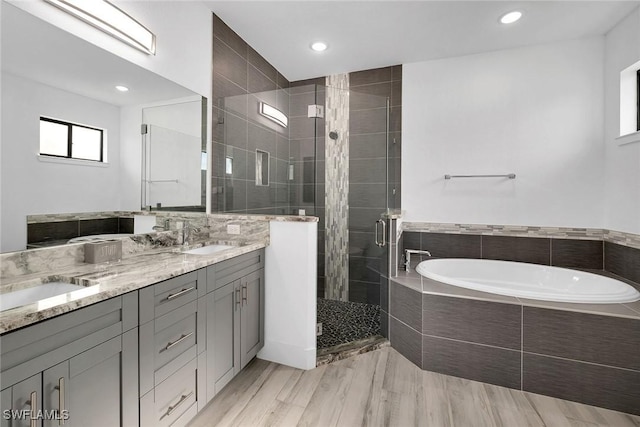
{"x":382,"y":388}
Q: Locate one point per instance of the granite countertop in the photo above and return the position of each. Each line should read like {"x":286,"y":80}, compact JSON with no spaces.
{"x":108,"y":280}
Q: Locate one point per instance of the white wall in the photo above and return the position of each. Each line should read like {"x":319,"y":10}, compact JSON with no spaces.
{"x":622,"y":163}
{"x":534,"y":111}
{"x":32,"y":186}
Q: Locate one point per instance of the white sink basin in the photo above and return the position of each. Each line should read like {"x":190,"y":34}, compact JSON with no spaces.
{"x":35,"y":293}
{"x":208,"y":250}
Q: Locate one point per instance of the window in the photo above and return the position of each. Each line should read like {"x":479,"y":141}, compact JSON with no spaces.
{"x":70,"y":140}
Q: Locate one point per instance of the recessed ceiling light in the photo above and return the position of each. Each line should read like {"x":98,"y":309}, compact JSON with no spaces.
{"x":319,"y":46}
{"x":511,"y":17}
{"x":122,"y":88}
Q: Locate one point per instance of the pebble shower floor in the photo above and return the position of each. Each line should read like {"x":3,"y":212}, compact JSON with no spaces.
{"x":344,"y":321}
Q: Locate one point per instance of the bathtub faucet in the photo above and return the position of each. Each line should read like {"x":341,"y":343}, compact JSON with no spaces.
{"x":407,"y":257}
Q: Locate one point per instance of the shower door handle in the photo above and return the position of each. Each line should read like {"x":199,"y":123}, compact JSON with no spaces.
{"x":384,"y":233}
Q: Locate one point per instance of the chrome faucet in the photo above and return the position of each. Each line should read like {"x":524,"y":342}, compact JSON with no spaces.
{"x":164,"y":227}
{"x":407,"y":257}
{"x":186,"y":232}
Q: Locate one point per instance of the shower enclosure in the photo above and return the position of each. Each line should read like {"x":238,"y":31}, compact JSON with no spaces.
{"x":324,"y":151}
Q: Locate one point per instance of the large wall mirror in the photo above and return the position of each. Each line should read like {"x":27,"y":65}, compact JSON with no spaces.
{"x":154,"y":134}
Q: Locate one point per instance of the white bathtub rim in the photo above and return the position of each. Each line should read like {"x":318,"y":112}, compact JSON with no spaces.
{"x":629,"y":294}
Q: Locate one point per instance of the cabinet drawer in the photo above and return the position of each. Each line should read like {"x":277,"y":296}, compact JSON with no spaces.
{"x":171,"y":399}
{"x":167,"y":343}
{"x":166,"y":296}
{"x":232,"y":269}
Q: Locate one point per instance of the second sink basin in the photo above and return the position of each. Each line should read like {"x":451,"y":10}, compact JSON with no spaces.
{"x":35,"y":293}
{"x":208,"y":250}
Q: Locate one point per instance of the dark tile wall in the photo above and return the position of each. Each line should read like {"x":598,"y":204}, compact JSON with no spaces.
{"x":371,"y":93}
{"x":622,"y":260}
{"x":241,"y":79}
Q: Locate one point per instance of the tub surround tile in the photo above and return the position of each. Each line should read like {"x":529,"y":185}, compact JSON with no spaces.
{"x":472,"y":361}
{"x":605,"y":340}
{"x":406,"y":340}
{"x":571,"y":253}
{"x":405,"y":304}
{"x":505,"y":230}
{"x":615,"y":310}
{"x":480,"y":322}
{"x":442,"y":245}
{"x":507,"y":248}
{"x":621,"y":238}
{"x":622,"y":260}
{"x":408,"y":281}
{"x":436,"y":288}
{"x":597,"y":385}
{"x":98,"y":226}
{"x":44,"y":231}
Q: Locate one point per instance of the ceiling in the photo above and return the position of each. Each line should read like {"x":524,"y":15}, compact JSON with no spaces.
{"x":369,"y":34}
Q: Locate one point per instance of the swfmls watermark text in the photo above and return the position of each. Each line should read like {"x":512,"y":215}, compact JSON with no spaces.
{"x":28,"y":414}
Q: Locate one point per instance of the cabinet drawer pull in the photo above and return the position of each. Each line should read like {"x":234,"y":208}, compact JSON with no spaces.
{"x":60,"y":388}
{"x":170,"y":409}
{"x":245,"y":294}
{"x":33,"y":403}
{"x":178,"y":341}
{"x":237,"y":298}
{"x":182,"y":292}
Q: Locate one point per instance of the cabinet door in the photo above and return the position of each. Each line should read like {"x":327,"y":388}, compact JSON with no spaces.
{"x":95,"y":386}
{"x":18,"y":399}
{"x":223,"y":330}
{"x":252,"y":316}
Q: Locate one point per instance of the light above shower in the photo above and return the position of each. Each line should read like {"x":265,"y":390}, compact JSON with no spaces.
{"x":319,"y":46}
{"x":272,"y":113}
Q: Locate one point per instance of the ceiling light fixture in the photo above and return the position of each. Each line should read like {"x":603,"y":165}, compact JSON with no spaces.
{"x":511,"y":17}
{"x":112,"y":20}
{"x":122,"y":88}
{"x":319,"y":46}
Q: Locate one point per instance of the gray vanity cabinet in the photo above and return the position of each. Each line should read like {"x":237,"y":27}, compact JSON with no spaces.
{"x":172,"y":345}
{"x":235,"y":317}
{"x":80,"y":368}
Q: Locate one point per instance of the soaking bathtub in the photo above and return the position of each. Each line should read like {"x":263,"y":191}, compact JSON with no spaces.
{"x":530,"y":281}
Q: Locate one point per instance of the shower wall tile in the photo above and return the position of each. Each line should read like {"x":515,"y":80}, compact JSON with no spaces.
{"x":367,"y":196}
{"x":480,"y":322}
{"x":606,"y":340}
{"x":258,"y":82}
{"x":229,"y":64}
{"x":472,"y":361}
{"x":597,"y":385}
{"x":301,"y":127}
{"x":384,"y":323}
{"x":369,"y":171}
{"x":262,"y":139}
{"x":229,"y":37}
{"x":235,"y":195}
{"x":396,"y":93}
{"x":261,"y":64}
{"x":282,"y":147}
{"x":622,"y":260}
{"x":506,"y":248}
{"x":395,"y":119}
{"x":442,"y":245}
{"x":363,"y":219}
{"x":367,"y":77}
{"x":406,"y":340}
{"x":369,"y":146}
{"x":368,"y":121}
{"x":282,"y":81}
{"x":235,"y":131}
{"x":364,"y":292}
{"x":577,"y":253}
